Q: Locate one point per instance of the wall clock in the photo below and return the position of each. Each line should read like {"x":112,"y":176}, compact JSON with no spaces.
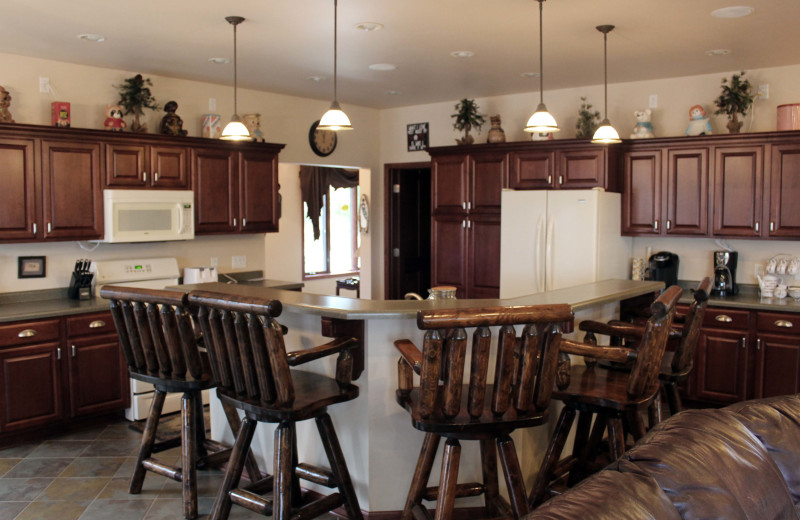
{"x":322,"y":142}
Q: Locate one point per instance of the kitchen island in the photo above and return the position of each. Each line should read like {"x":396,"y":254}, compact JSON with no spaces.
{"x":376,"y":435}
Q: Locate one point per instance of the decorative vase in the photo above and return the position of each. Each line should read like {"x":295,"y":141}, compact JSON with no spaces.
{"x":212,"y":126}
{"x":496,"y":133}
{"x":734,"y":126}
{"x":253,"y":124}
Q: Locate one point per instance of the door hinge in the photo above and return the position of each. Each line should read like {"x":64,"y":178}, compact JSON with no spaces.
{"x":395,"y":188}
{"x":396,"y":252}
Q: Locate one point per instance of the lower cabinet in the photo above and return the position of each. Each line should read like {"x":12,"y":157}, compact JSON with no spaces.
{"x":465,"y":254}
{"x":59,"y":369}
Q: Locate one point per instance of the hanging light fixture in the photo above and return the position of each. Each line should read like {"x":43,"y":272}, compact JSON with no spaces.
{"x":335,"y":118}
{"x":235,"y":130}
{"x":606,"y":133}
{"x":541,"y":120}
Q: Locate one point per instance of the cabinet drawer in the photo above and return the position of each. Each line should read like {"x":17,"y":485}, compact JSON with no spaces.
{"x":782,"y":323}
{"x":90,"y":324}
{"x":727,"y":319}
{"x":28,"y":332}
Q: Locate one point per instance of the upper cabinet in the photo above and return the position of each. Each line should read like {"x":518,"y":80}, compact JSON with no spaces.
{"x":784,"y":191}
{"x":52,"y":180}
{"x":565,"y":164}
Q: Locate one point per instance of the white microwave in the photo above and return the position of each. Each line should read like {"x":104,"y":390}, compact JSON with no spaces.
{"x":148,"y":215}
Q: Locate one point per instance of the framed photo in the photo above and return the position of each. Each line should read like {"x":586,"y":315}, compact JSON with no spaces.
{"x":417,"y":137}
{"x":31,"y":267}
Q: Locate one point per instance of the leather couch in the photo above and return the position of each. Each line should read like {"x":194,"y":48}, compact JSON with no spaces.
{"x":739,"y":462}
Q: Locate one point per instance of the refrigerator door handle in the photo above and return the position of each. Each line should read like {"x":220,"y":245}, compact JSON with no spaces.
{"x":538,"y":259}
{"x":549,"y":267}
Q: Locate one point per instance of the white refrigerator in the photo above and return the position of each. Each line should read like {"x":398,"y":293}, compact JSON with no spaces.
{"x":560,"y":238}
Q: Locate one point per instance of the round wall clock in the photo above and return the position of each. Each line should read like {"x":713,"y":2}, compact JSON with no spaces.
{"x":323,"y":142}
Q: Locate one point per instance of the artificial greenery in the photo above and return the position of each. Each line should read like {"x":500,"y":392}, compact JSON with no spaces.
{"x":467,"y":117}
{"x":135,"y":96}
{"x":736,"y":98}
{"x":588,"y":121}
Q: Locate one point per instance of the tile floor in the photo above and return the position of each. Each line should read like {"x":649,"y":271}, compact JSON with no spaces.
{"x":84,"y":475}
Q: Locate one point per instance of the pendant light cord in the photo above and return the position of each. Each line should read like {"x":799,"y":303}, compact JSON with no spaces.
{"x":335,"y":49}
{"x":541,"y":57}
{"x":235,"y":73}
{"x":605,"y":75}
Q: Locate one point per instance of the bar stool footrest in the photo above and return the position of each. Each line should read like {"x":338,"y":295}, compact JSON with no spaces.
{"x":470,"y":489}
{"x":319,"y":507}
{"x":163,"y":469}
{"x":315,"y":474}
{"x":251,"y":501}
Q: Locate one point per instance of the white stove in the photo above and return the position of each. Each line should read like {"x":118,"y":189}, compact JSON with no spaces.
{"x":148,"y":273}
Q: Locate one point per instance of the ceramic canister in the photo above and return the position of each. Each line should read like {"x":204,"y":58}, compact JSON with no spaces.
{"x":789,"y":117}
{"x":212,"y":126}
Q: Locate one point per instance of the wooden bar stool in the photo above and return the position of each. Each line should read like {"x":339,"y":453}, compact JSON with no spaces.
{"x":248,"y":357}
{"x":443,"y":406}
{"x":158,"y":340}
{"x":610,"y":397}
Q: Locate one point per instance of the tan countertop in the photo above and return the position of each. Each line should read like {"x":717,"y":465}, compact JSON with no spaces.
{"x":747,"y":299}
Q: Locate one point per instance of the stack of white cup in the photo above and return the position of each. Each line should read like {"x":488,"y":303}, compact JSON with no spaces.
{"x":637,"y":269}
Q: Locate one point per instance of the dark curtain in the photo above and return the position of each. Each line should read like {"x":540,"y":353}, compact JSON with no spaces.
{"x":314,"y":183}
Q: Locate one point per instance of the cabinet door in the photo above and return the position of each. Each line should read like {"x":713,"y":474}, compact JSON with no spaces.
{"x":450,"y":181}
{"x":777,"y":365}
{"x":258,"y":192}
{"x":641,"y":197}
{"x":738,"y":188}
{"x":483,"y":269}
{"x":169,"y":167}
{"x":687,"y":192}
{"x":532,"y":170}
{"x":214,"y":179}
{"x":30,"y":382}
{"x":98,"y":380}
{"x":73,"y":198}
{"x":449,"y":252}
{"x":721,"y":366}
{"x":488,"y":176}
{"x":125,"y":165}
{"x":581,"y":169}
{"x":784,"y":200}
{"x":18,"y":195}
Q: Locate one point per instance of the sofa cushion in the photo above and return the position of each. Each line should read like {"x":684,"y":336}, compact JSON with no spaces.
{"x":776,"y":423}
{"x":711,"y":466}
{"x":610,"y":495}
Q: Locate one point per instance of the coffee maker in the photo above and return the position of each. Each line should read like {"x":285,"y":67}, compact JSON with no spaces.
{"x":725,"y":272}
{"x":664,"y":267}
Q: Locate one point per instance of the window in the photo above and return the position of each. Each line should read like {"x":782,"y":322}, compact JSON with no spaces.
{"x":335,"y":250}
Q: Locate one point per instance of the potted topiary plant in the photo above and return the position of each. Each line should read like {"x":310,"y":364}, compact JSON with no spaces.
{"x":135,"y":96}
{"x":588,"y":121}
{"x":467,"y":117}
{"x":736,"y":98}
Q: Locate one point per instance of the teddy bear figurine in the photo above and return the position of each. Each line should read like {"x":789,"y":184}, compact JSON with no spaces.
{"x":643,"y":128}
{"x":5,"y":102}
{"x":114,"y":121}
{"x":698,"y":121}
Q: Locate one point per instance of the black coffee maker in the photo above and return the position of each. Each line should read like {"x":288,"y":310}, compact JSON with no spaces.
{"x":725,"y":272}
{"x":664,"y":267}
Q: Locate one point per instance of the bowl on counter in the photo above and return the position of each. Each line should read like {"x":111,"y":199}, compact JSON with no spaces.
{"x":794,"y":291}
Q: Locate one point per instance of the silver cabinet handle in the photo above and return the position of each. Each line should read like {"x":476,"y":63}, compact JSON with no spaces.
{"x":27,"y":333}
{"x":469,"y":224}
{"x":58,"y":353}
{"x":757,"y":227}
{"x":244,"y":222}
{"x":655,"y":225}
{"x":758,"y":344}
{"x":96,"y":324}
{"x":469,"y":206}
{"x":724,"y":318}
{"x":74,"y":350}
{"x":669,"y":224}
{"x":549,"y":179}
{"x":34,"y":228}
{"x":772,"y":226}
{"x":744,"y":341}
{"x":560,"y":180}
{"x":155,"y":177}
{"x":784,"y":323}
{"x":234,"y":221}
{"x":464,"y":206}
{"x":144,"y":176}
{"x":49,"y":227}
{"x":464,"y":224}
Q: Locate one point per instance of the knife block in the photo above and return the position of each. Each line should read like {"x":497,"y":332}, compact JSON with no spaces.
{"x":80,"y":286}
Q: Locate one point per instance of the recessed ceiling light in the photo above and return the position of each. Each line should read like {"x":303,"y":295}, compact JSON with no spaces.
{"x":462,"y":54}
{"x":718,"y":52}
{"x":383,"y":67}
{"x":530,"y":74}
{"x":219,"y":61}
{"x":368,"y":26}
{"x":392,"y":93}
{"x":316,"y":79}
{"x":92,"y":37}
{"x":733,"y":12}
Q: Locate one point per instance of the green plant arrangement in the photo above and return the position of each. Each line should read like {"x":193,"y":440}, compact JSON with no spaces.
{"x":588,"y":121}
{"x":135,"y":96}
{"x":467,"y":117}
{"x":736,"y":98}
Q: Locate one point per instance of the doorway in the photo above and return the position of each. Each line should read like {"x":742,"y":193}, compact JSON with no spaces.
{"x":407,"y":247}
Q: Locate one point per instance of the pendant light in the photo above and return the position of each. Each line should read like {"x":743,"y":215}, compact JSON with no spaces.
{"x":541,"y":120}
{"x":335,"y":118}
{"x":606,"y":133}
{"x":235,"y":130}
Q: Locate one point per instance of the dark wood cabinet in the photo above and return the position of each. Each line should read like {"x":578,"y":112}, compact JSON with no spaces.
{"x":738,"y":191}
{"x":20,"y":199}
{"x":449,"y":252}
{"x":641,"y":197}
{"x":450,"y":183}
{"x":532,"y":170}
{"x":784,"y":195}
{"x":777,"y":363}
{"x":577,"y":165}
{"x":582,"y":168}
{"x":483,"y":256}
{"x":146,"y":166}
{"x":488,"y":175}
{"x":721,"y":366}
{"x":258,"y":188}
{"x":686,"y":211}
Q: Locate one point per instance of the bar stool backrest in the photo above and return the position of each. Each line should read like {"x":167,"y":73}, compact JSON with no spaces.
{"x":684,"y":352}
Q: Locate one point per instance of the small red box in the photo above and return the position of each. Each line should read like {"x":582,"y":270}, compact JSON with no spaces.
{"x":59,"y":111}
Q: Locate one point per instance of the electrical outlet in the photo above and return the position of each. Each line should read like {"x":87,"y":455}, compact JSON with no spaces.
{"x":214,"y":261}
{"x":212,"y":103}
{"x":239,"y":262}
{"x":44,"y":84}
{"x":653,"y":101}
{"x":763,"y":91}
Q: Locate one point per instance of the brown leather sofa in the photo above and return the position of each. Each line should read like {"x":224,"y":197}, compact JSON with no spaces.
{"x":739,"y":462}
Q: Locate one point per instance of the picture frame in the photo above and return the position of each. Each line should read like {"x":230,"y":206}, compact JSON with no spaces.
{"x":363,"y":214}
{"x":31,"y":267}
{"x":417,"y":137}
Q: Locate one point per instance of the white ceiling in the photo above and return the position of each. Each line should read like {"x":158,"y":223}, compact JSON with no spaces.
{"x":283,"y":42}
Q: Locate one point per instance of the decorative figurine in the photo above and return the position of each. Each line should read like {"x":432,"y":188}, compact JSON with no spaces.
{"x":253,"y":124}
{"x":698,"y":121}
{"x":496,"y":133}
{"x":59,"y":114}
{"x":114,"y":121}
{"x":171,"y":123}
{"x":643,"y":128}
{"x":5,"y":102}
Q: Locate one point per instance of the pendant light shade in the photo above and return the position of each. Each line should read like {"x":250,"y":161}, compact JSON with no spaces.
{"x":606,"y":134}
{"x":541,"y":120}
{"x":335,"y":119}
{"x":235,"y":130}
